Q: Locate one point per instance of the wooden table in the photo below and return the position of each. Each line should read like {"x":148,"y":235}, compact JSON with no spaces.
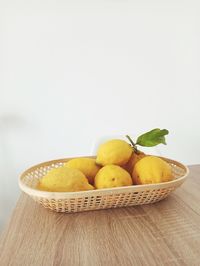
{"x":164,"y":233}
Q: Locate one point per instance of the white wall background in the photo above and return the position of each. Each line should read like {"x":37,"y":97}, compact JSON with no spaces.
{"x":73,"y":71}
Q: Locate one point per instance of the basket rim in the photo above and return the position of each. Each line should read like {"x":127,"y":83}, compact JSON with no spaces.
{"x":96,"y":192}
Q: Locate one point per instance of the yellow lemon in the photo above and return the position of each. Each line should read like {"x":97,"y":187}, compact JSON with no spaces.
{"x":64,"y":179}
{"x":114,"y":151}
{"x":87,"y":166}
{"x":112,"y":176}
{"x":135,"y":157}
{"x":151,"y":169}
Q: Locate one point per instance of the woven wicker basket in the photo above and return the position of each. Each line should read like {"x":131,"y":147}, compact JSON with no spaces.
{"x":101,"y":198}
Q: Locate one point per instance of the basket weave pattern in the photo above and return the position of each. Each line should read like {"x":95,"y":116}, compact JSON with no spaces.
{"x":97,"y":199}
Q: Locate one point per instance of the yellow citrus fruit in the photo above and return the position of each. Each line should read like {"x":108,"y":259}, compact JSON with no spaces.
{"x":135,"y":157}
{"x":87,"y":166}
{"x":112,"y":176}
{"x":64,"y":179}
{"x":114,"y":151}
{"x":151,"y":169}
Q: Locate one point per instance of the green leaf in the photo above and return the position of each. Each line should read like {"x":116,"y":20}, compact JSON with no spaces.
{"x":152,"y":138}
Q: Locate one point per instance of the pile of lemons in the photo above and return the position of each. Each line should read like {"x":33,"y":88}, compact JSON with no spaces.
{"x":117,"y":164}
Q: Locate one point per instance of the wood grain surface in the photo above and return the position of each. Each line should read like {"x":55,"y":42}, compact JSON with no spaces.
{"x":164,"y":233}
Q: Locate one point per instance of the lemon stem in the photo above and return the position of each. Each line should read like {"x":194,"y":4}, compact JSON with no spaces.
{"x":133,"y":144}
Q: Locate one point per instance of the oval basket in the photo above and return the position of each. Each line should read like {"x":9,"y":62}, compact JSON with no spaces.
{"x":100,"y":198}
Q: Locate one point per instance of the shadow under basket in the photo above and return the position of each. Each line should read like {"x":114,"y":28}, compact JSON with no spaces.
{"x":100,"y":198}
